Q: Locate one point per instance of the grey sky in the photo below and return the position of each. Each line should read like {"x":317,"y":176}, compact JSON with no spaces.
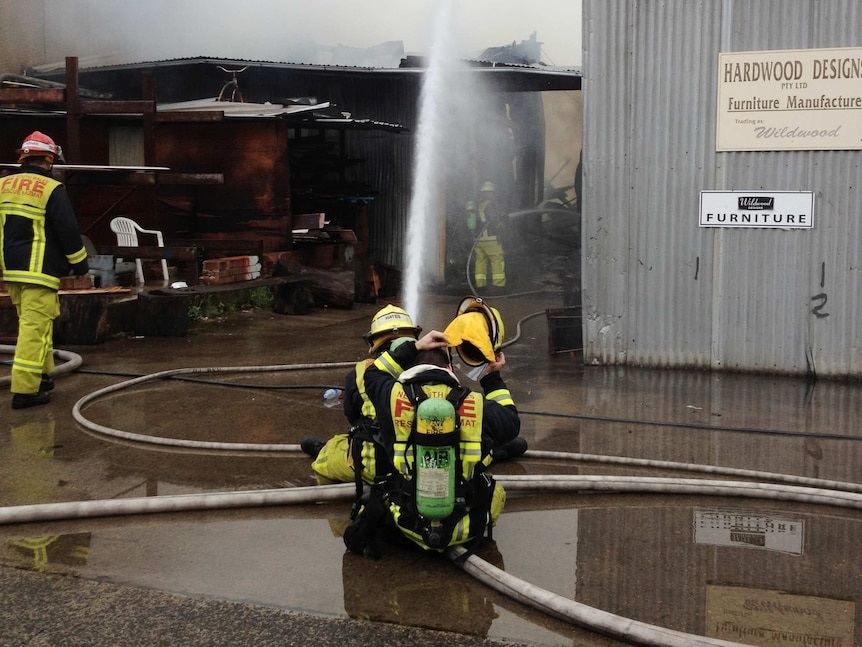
{"x":115,"y":31}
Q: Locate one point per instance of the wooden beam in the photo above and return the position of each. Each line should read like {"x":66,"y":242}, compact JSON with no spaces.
{"x":90,"y":107}
{"x":32,"y":95}
{"x":190,"y":178}
{"x":149,"y":121}
{"x":189,"y":257}
{"x":73,"y":112}
{"x":152,"y":252}
{"x":87,"y":177}
{"x":220,"y":247}
{"x":188,"y":115}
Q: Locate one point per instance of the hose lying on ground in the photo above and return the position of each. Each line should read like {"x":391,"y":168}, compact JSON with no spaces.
{"x":77,"y":413}
{"x":534,"y":596}
{"x":832,"y":493}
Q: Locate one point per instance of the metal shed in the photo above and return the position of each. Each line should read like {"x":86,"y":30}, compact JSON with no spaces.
{"x":659,"y":288}
{"x":377,"y":165}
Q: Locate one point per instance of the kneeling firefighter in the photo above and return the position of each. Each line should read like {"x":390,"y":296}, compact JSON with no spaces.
{"x":336,"y":458}
{"x":440,"y":437}
{"x":476,"y":333}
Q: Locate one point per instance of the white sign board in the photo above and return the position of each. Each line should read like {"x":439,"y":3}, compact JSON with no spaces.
{"x":759,"y":616}
{"x":772,"y":100}
{"x":757,"y":209}
{"x":744,"y":529}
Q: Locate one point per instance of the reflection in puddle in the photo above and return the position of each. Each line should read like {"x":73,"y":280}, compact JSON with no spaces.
{"x":719,"y":572}
{"x":764,"y":617}
{"x":743,"y":572}
{"x":45,"y":553}
{"x":740,"y":528}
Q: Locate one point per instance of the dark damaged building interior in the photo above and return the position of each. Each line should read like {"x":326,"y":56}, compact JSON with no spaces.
{"x":313,"y":160}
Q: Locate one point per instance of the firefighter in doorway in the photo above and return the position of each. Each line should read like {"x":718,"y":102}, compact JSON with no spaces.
{"x":41,"y":243}
{"x":489,"y":222}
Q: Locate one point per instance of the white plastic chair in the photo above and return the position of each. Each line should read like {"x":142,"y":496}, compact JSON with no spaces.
{"x":127,"y":231}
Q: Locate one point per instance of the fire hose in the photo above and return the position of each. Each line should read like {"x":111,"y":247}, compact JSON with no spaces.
{"x":784,"y":487}
{"x":805,"y":490}
{"x":509,"y":585}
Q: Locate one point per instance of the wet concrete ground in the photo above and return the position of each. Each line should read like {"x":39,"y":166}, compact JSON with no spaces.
{"x":755,"y":571}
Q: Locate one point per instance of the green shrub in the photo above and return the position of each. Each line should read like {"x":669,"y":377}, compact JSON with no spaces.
{"x":208,"y":307}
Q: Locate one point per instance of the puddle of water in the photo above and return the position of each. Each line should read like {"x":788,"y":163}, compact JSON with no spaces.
{"x":737,"y":571}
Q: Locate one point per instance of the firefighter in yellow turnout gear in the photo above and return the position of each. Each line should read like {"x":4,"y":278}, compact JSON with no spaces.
{"x":400,"y":383}
{"x":40,"y":242}
{"x":488,"y":249}
{"x":333,"y":459}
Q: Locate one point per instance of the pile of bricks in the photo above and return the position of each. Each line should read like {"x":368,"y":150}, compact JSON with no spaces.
{"x":233,"y":269}
{"x":84,"y":282}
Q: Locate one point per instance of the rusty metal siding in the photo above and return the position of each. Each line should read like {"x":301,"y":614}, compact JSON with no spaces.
{"x":388,"y":163}
{"x":659,"y":290}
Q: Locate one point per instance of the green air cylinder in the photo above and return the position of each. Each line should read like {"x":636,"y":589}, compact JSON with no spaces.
{"x":471,"y":216}
{"x":435,"y":461}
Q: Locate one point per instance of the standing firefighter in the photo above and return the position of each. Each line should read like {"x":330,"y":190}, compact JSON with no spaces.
{"x":40,"y":243}
{"x":488,"y":248}
{"x":440,"y":437}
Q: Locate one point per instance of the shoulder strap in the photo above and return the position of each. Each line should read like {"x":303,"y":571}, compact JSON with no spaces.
{"x":457,"y":396}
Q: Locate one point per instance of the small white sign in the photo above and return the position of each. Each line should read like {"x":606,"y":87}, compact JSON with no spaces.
{"x":744,"y":529}
{"x":757,"y":208}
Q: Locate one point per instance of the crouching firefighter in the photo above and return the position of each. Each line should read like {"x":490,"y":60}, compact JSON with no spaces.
{"x":440,"y":438}
{"x":336,"y":459}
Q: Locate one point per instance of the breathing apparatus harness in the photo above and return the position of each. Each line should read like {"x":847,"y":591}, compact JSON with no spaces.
{"x":429,"y":499}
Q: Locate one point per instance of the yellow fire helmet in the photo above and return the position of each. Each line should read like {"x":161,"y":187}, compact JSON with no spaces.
{"x":387,"y":324}
{"x":476,"y":332}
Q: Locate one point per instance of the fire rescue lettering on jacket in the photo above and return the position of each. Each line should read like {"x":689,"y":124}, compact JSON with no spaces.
{"x":467,"y":412}
{"x":22,"y":184}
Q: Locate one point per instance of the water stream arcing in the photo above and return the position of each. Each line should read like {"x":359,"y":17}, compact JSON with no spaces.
{"x":423,"y":220}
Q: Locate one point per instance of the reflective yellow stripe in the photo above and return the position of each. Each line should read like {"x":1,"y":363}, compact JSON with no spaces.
{"x":388,"y":365}
{"x":40,"y":241}
{"x":501,"y":396}
{"x":28,"y":366}
{"x":368,"y":410}
{"x":402,"y":458}
{"x":33,"y":278}
{"x":77,"y":257}
{"x":24,"y":210}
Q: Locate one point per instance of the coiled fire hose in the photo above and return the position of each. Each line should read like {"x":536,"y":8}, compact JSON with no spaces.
{"x":784,"y":487}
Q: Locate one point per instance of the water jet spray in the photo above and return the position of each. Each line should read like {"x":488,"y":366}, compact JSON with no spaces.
{"x":423,"y":220}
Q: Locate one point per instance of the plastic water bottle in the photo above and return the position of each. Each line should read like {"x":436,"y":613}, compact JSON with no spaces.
{"x":331,"y":398}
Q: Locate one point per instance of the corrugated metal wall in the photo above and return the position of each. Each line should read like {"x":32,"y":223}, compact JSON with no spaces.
{"x":659,"y":290}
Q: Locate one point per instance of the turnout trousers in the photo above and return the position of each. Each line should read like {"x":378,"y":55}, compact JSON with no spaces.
{"x":489,"y":252}
{"x":37,"y":308}
{"x":333,"y":461}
